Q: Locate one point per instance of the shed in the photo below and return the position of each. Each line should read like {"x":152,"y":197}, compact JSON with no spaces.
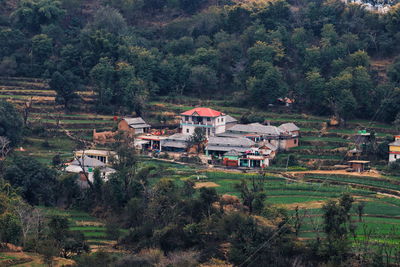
{"x":359,"y":165}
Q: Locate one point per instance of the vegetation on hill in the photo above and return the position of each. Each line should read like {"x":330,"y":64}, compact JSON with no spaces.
{"x":319,"y":53}
{"x":328,"y":57}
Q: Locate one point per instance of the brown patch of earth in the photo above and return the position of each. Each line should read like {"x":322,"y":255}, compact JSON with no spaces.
{"x":371,"y":173}
{"x":305,"y":205}
{"x":205,"y":184}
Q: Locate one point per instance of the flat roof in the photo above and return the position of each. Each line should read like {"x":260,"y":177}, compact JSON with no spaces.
{"x":152,"y":137}
{"x":95,"y":152}
{"x":359,"y":161}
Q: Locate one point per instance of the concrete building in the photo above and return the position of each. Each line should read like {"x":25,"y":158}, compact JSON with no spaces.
{"x":85,"y":167}
{"x":213,"y":122}
{"x":394,"y":149}
{"x":175,"y":143}
{"x":101,"y":155}
{"x":284,"y":137}
{"x":218,"y":146}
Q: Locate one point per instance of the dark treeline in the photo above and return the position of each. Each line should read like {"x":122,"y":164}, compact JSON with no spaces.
{"x":319,"y":53}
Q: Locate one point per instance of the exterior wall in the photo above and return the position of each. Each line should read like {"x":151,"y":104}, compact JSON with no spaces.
{"x":212,"y":126}
{"x":394,"y":148}
{"x":139,"y":131}
{"x":124,"y":127}
{"x":294,"y":142}
{"x":357,"y":167}
{"x":393,"y":157}
{"x":230,"y":162}
{"x":105,"y":158}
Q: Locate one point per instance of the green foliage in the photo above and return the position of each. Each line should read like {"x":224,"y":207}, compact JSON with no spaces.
{"x":37,"y":183}
{"x":65,"y":86}
{"x":10,"y":123}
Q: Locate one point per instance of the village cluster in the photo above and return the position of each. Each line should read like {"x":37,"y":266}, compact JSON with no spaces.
{"x":227,"y":143}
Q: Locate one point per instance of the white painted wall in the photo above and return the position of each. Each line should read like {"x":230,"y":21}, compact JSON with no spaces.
{"x":393,"y":157}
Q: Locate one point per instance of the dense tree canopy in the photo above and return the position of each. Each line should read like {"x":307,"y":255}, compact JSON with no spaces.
{"x":320,"y":53}
{"x":11,"y":125}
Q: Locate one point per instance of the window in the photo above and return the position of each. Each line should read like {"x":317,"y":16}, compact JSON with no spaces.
{"x":186,"y":118}
{"x":295,"y":141}
{"x":222,"y":119}
{"x":395,"y":156}
{"x":187,"y":130}
{"x":208,"y":119}
{"x":209,"y":131}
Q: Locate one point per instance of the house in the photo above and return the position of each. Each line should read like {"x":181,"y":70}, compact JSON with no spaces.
{"x":361,"y":139}
{"x":230,"y":121}
{"x":394,"y":149}
{"x":290,"y":128}
{"x":133,"y":126}
{"x":231,"y":158}
{"x":212,"y":121}
{"x":284,"y":137}
{"x":359,"y":165}
{"x":254,"y":131}
{"x":86,"y":165}
{"x":218,"y":146}
{"x":290,"y":135}
{"x":149,"y":142}
{"x":101,"y":155}
{"x":175,"y":143}
{"x":354,"y":153}
{"x":254,"y":158}
{"x":268,"y":149}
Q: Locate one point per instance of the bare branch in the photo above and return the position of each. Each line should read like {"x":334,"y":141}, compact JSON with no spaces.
{"x":4,"y":146}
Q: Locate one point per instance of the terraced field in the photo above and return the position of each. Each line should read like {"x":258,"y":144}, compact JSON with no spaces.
{"x":326,"y":146}
{"x":93,"y":229}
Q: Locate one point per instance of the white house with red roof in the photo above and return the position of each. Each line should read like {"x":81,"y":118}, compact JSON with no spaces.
{"x":211,"y":120}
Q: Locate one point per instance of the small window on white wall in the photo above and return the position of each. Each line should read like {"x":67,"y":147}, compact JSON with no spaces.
{"x":187,"y":130}
{"x":395,"y":156}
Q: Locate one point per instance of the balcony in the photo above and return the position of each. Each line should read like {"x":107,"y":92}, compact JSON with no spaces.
{"x":197,"y":124}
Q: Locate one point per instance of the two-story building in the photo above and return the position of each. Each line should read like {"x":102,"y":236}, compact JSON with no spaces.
{"x":394,"y":149}
{"x":212,"y":121}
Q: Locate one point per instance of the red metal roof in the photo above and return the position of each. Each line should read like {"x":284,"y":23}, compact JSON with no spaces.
{"x":203,"y":112}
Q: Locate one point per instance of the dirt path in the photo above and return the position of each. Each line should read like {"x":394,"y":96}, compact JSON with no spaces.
{"x":371,"y":173}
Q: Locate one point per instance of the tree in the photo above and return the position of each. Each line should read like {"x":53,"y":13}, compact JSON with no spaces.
{"x":267,"y":84}
{"x":108,"y":19}
{"x":203,"y":80}
{"x":32,"y":14}
{"x":65,"y":86}
{"x":347,"y":105}
{"x":102,"y":76}
{"x":37,"y":183}
{"x":338,"y":226}
{"x":394,"y":71}
{"x":67,"y":242}
{"x":360,"y":210}
{"x":253,"y":197}
{"x":314,"y":91}
{"x":197,"y":139}
{"x":42,"y":48}
{"x":190,"y":6}
{"x":10,"y":123}
{"x":29,"y":218}
{"x":4,"y":146}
